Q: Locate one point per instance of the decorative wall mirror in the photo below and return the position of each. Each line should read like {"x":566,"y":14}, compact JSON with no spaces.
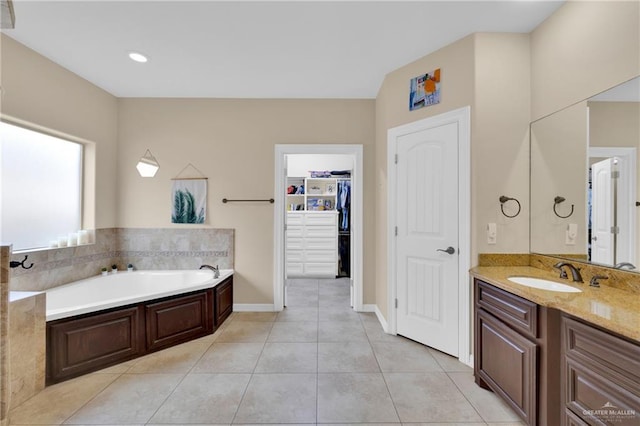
{"x":589,"y":153}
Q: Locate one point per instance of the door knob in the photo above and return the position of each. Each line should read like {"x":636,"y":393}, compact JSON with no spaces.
{"x":449,"y":250}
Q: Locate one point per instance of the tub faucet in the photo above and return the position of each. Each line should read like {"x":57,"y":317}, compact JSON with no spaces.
{"x":215,"y":269}
{"x":575,"y":272}
{"x":623,"y":265}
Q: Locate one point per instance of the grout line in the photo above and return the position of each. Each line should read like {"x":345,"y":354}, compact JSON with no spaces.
{"x":83,"y":405}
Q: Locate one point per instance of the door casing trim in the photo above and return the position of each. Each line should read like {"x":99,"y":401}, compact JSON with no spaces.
{"x":354,"y":150}
{"x":462,"y":117}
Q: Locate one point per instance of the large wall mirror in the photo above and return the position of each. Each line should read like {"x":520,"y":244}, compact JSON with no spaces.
{"x":585,"y":186}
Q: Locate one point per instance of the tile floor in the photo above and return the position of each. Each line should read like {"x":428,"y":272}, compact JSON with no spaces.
{"x":317,"y":362}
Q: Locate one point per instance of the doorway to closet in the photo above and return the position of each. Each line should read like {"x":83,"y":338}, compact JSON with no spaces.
{"x":318,"y":217}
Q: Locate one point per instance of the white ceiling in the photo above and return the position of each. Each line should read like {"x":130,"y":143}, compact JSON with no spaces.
{"x":260,"y":49}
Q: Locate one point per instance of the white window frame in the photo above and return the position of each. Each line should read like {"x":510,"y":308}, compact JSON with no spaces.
{"x":88,"y":184}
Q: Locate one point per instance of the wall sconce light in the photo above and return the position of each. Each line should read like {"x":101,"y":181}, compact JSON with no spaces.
{"x":148,"y":165}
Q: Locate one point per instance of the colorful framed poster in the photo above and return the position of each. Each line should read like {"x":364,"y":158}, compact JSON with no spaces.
{"x":424,"y":90}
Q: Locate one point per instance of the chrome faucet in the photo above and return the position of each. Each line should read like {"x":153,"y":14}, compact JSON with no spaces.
{"x":215,"y":269}
{"x":623,"y":265}
{"x":575,"y":272}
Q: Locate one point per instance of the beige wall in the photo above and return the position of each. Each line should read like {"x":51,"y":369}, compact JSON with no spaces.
{"x":489,"y":72}
{"x":584,"y":48}
{"x":232,"y":143}
{"x":558,"y":168}
{"x":500,"y":142}
{"x":41,"y":92}
{"x":392,"y":109}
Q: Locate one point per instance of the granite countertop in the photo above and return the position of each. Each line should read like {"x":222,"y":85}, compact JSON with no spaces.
{"x":608,"y":307}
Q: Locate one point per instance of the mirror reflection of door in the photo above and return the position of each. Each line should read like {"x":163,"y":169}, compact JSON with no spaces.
{"x":602,"y":220}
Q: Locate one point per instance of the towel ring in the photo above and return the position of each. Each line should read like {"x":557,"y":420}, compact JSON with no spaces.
{"x":503,"y":199}
{"x":557,"y":201}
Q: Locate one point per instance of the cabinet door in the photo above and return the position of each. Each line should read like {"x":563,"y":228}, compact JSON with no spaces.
{"x":223,"y":301}
{"x":180,"y":319}
{"x":78,"y":346}
{"x":506,"y":362}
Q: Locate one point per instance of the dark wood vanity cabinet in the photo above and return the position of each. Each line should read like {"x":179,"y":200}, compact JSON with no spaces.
{"x":517,"y":347}
{"x":600,"y":376}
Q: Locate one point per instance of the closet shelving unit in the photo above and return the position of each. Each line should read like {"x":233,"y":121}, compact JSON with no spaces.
{"x":312,"y":228}
{"x":319,"y":194}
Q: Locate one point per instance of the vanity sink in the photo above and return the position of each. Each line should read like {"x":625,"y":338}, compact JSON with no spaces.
{"x":543,"y":284}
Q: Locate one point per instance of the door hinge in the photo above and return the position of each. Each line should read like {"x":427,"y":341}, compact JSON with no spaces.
{"x":396,"y":159}
{"x":615,"y":230}
{"x":396,"y":231}
{"x":396,"y":303}
{"x":615,"y":174}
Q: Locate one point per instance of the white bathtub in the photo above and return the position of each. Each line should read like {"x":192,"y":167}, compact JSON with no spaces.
{"x":125,"y":288}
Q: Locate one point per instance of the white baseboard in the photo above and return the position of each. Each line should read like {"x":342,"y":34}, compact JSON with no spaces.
{"x":368,"y":308}
{"x":383,"y":322}
{"x":253,"y":307}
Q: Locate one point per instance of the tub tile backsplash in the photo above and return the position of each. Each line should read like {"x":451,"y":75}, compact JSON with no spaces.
{"x":145,"y":248}
{"x":176,"y":248}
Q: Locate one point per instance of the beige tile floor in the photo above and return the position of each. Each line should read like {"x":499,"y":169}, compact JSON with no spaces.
{"x":317,"y":362}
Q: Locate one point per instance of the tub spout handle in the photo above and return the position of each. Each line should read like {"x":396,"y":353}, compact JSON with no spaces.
{"x":215,"y":269}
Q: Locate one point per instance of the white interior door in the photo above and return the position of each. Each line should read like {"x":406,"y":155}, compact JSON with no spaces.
{"x":602,"y":212}
{"x":427,"y":236}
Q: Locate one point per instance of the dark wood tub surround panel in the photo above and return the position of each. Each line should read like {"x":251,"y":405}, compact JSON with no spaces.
{"x":179,"y":319}
{"x":89,"y":342}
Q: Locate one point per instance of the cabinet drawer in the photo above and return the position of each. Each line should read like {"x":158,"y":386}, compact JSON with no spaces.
{"x":294,"y":269}
{"x":601,"y":351}
{"x":571,"y":419}
{"x":295,"y":219}
{"x":321,"y":231}
{"x":295,"y":256}
{"x":507,"y":363}
{"x":321,"y":244}
{"x":598,"y":400}
{"x":294,"y":232}
{"x":321,"y":219}
{"x":295,"y":243}
{"x":320,"y":256}
{"x":321,"y":269}
{"x":519,"y":313}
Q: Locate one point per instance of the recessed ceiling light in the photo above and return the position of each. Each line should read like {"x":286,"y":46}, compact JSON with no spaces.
{"x":138,"y":57}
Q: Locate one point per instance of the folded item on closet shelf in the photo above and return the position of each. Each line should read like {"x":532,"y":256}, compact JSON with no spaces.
{"x":320,"y":174}
{"x":341,"y":172}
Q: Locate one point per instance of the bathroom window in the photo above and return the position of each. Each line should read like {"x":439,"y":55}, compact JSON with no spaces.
{"x":40,"y":187}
